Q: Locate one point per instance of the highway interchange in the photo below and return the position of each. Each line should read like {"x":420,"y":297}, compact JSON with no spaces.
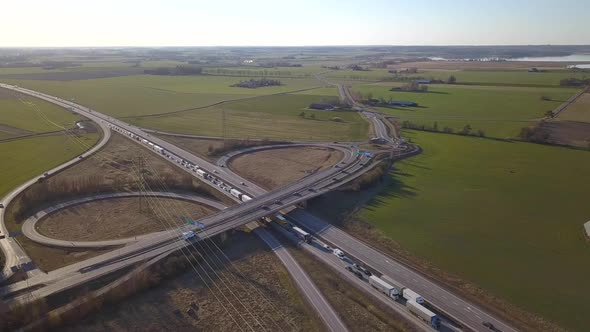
{"x":264,"y":204}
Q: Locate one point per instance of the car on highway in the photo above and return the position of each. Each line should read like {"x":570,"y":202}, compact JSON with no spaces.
{"x":490,"y":326}
{"x":1,"y":206}
{"x":338,"y":253}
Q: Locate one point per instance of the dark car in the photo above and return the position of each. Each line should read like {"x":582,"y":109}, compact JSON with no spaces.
{"x":490,"y":326}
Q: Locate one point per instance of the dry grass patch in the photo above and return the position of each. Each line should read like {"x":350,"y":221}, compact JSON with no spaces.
{"x":119,"y":218}
{"x":186,"y":303}
{"x":278,"y":167}
{"x":358,"y":310}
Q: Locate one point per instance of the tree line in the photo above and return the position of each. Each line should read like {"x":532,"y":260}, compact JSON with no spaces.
{"x":181,"y":70}
{"x":467,"y":130}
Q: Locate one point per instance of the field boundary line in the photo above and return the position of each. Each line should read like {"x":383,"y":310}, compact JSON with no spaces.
{"x":155,"y":115}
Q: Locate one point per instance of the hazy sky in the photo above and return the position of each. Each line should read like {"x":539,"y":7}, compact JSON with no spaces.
{"x":301,"y":22}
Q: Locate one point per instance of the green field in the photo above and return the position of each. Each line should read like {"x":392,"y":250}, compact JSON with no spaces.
{"x":273,"y":117}
{"x":271,"y":114}
{"x":481,"y":77}
{"x":26,"y":158}
{"x":498,"y":110}
{"x":507,"y":216}
{"x":42,"y":117}
{"x":150,"y":94}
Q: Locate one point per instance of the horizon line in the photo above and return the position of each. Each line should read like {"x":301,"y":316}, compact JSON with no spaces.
{"x":290,"y":46}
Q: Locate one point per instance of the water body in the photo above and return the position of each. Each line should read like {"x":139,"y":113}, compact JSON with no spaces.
{"x":567,"y":58}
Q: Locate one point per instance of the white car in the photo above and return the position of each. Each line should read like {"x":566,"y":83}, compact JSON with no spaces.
{"x":338,"y":253}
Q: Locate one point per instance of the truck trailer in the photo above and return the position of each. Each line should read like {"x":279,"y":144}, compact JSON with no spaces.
{"x":235,"y":193}
{"x":303,"y":235}
{"x":384,"y":287}
{"x":201,"y":173}
{"x":423,"y":313}
{"x":246,"y":198}
{"x":410,"y":295}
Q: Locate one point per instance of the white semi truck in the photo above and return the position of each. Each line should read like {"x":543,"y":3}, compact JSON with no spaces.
{"x":384,"y":287}
{"x":235,"y":193}
{"x":303,"y":235}
{"x":410,"y":295}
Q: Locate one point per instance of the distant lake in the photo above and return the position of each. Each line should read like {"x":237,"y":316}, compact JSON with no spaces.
{"x":567,"y":58}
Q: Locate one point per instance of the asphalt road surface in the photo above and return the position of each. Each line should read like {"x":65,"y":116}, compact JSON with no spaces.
{"x":304,"y":283}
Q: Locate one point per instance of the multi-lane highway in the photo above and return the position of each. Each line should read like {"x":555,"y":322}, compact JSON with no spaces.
{"x":265,"y":204}
{"x":154,"y":245}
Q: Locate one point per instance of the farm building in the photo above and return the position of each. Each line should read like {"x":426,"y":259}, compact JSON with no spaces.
{"x":321,"y":106}
{"x":402,"y":103}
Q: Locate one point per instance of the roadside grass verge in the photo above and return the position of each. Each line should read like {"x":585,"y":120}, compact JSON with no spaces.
{"x":358,"y":310}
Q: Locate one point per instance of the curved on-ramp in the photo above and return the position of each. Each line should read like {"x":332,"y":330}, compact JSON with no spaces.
{"x":29,"y":228}
{"x":15,"y":256}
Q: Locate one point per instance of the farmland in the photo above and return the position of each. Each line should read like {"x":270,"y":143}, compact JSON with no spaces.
{"x":26,"y":158}
{"x":476,"y":76}
{"x":507,"y":216}
{"x":578,"y":111}
{"x":498,"y":110}
{"x":195,"y":105}
{"x":31,"y":115}
{"x":151,"y":94}
{"x":273,"y":117}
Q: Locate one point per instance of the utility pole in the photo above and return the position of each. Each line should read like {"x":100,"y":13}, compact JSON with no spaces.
{"x":141,"y":182}
{"x":223,"y":127}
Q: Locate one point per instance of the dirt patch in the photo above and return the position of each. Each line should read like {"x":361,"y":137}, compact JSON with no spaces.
{"x":568,"y":132}
{"x":121,"y":160}
{"x":186,"y":303}
{"x":274,"y":168}
{"x":579,"y":110}
{"x":119,"y":218}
